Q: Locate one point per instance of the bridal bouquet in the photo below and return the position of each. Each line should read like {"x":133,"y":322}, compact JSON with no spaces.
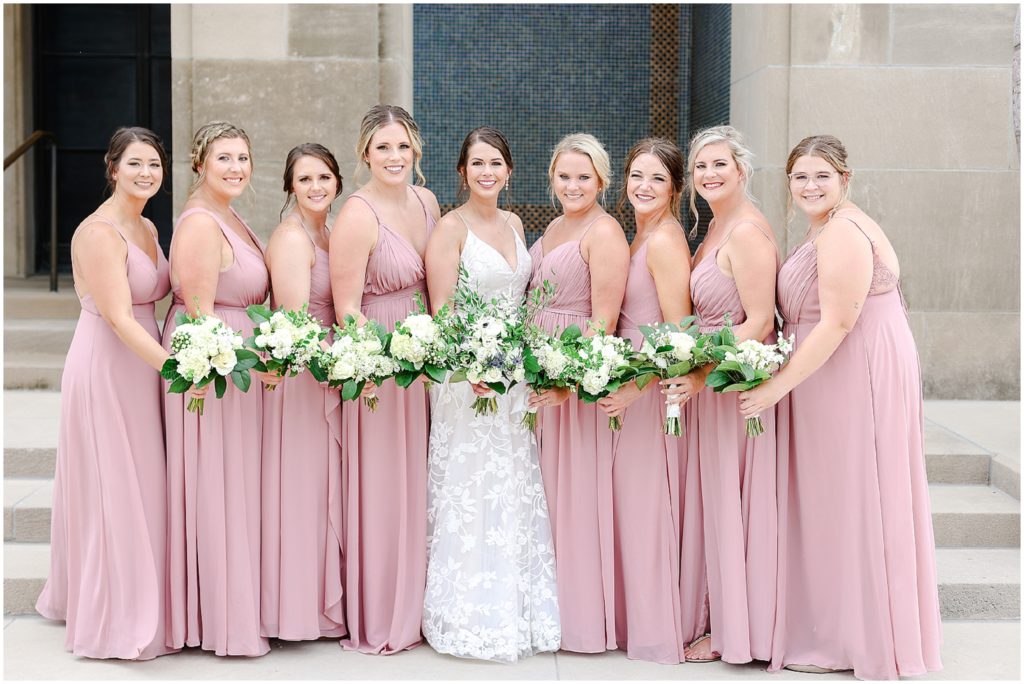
{"x":356,"y":356}
{"x":550,"y":362}
{"x":423,"y":345}
{"x":491,"y":336}
{"x":604,"y":362}
{"x":744,"y":366}
{"x":291,"y":339}
{"x":204,"y":350}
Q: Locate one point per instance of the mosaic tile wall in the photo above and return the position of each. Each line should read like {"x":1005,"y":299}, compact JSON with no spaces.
{"x":537,"y":72}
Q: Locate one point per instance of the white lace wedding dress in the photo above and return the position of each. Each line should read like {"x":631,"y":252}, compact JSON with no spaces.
{"x":491,"y":565}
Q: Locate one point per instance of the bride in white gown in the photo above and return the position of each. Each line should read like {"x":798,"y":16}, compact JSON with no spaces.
{"x":491,"y":590}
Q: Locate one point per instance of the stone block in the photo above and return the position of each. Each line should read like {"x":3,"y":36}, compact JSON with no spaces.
{"x":840,"y":33}
{"x":759,"y":108}
{"x":955,"y":34}
{"x":927,"y":214}
{"x":349,"y":31}
{"x":182,"y":128}
{"x":240,"y":32}
{"x":760,"y":38}
{"x":396,"y":84}
{"x":396,"y":32}
{"x":181,"y":31}
{"x":771,"y":200}
{"x":943,"y":335}
{"x":283,"y":103}
{"x":183,"y":176}
{"x":907,"y":118}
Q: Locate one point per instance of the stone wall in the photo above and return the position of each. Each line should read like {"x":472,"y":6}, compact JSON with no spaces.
{"x":19,"y":213}
{"x":287,"y":74}
{"x":922,"y":96}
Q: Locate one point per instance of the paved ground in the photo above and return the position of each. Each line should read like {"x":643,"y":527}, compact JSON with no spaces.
{"x":34,"y":647}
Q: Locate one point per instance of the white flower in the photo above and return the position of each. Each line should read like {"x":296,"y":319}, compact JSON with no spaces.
{"x":224,"y":362}
{"x":682,"y":345}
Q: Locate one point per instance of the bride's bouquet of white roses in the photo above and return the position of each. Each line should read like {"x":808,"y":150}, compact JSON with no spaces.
{"x":423,"y":345}
{"x":604,"y":363}
{"x":491,"y":335}
{"x":745,"y":365}
{"x":290,"y":339}
{"x":668,"y":351}
{"x":204,"y":350}
{"x":358,"y":355}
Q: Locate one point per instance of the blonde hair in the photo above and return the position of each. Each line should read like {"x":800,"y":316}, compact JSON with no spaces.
{"x":582,"y":143}
{"x":204,"y":139}
{"x":741,"y":154}
{"x":378,"y":117}
{"x":829,"y":148}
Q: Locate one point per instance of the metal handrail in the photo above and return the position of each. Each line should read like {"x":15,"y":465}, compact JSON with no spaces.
{"x":13,"y":157}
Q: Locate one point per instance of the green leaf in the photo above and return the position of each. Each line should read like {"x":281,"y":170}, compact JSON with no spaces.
{"x":181,"y":318}
{"x":497,"y":387}
{"x":530,"y":363}
{"x":179,"y":386}
{"x":458,"y":376}
{"x":404,"y":378}
{"x":351,"y":389}
{"x":677,"y":369}
{"x":748,"y":372}
{"x":258,"y":313}
{"x":220,"y":385}
{"x":644,"y":379}
{"x":571,"y":333}
{"x":735,"y":387}
{"x":435,"y":373}
{"x":318,"y":372}
{"x":242,"y":379}
{"x":169,"y":371}
{"x":717,"y":379}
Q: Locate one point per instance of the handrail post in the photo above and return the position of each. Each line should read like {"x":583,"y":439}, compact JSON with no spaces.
{"x":53,"y":215}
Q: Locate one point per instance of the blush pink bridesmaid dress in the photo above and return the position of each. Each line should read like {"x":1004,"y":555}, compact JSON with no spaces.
{"x":384,"y":472}
{"x":576,"y":464}
{"x":301,"y":549}
{"x":108,"y":530}
{"x":737,"y":475}
{"x":213,"y":482}
{"x":660,"y":580}
{"x":857,"y":582}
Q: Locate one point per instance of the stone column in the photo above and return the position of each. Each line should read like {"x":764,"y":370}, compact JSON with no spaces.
{"x":921,"y":95}
{"x":287,"y":74}
{"x":19,"y":210}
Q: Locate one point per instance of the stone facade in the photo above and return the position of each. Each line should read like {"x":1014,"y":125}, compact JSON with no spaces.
{"x":19,"y":248}
{"x":924,"y":98}
{"x":296,"y":73}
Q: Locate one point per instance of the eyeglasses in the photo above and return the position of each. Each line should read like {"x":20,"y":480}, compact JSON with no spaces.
{"x":801,"y":179}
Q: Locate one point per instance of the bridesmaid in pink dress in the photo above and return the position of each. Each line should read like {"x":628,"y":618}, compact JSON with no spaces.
{"x":377,"y":248}
{"x":213,"y":460}
{"x":857,"y":583}
{"x":585,"y":254}
{"x":108,"y":530}
{"x":660,"y":580}
{"x":301,"y":550}
{"x":733,"y":275}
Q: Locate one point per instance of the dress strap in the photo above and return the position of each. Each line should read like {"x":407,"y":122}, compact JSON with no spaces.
{"x":591,"y":225}
{"x":463,"y":219}
{"x":369,"y":204}
{"x":862,"y":232}
{"x":740,"y":223}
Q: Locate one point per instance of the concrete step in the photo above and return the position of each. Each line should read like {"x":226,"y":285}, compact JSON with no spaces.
{"x":29,"y":370}
{"x":38,"y":335}
{"x":973,"y":516}
{"x":27,"y":509}
{"x":31,"y":298}
{"x":974,"y":584}
{"x":950,"y":459}
{"x":979,"y":584}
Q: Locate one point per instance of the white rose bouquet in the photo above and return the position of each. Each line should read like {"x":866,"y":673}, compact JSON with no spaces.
{"x":290,"y":339}
{"x":423,"y":345}
{"x":491,"y":340}
{"x":745,"y":365}
{"x":668,"y":351}
{"x":204,"y":350}
{"x":356,"y":356}
{"x":550,"y":362}
{"x":604,"y":363}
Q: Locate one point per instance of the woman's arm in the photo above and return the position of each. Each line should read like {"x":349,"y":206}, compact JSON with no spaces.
{"x":607,"y":253}
{"x":289,"y":258}
{"x":352,"y":241}
{"x":100,"y":266}
{"x":845,"y":268}
{"x":444,"y":250}
{"x":754,"y":266}
{"x":200,"y":251}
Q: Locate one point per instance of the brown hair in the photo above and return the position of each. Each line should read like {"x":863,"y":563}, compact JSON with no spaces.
{"x":315,"y":150}
{"x":119,"y":142}
{"x":493,"y":137}
{"x":203,"y":140}
{"x":378,"y":117}
{"x":671,"y":157}
{"x":829,"y":148}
